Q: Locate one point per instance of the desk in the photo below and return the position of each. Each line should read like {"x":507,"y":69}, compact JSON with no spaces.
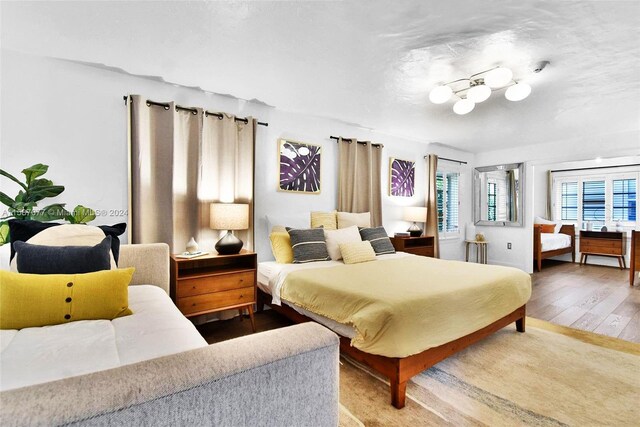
{"x":481,"y":251}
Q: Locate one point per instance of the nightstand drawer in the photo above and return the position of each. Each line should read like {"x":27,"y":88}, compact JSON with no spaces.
{"x":424,"y":251}
{"x":214,"y":283}
{"x":217,"y":300}
{"x":601,"y":243}
{"x":600,"y":250}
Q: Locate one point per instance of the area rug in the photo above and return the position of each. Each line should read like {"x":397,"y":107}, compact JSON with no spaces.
{"x":549,"y":376}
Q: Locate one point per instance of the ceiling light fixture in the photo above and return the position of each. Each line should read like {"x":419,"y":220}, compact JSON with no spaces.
{"x":478,"y":87}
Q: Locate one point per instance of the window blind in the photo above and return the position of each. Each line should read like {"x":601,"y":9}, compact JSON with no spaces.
{"x":452,"y":201}
{"x":569,"y":201}
{"x":491,"y":201}
{"x":624,"y":199}
{"x":593,"y":201}
{"x":440,"y":199}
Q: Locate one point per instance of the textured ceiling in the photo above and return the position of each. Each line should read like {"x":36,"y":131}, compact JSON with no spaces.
{"x":370,"y":63}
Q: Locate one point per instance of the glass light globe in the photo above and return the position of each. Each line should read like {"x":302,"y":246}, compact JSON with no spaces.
{"x":478,"y":93}
{"x":498,"y":77}
{"x":517,"y":92}
{"x":463,"y":106}
{"x":440,"y":94}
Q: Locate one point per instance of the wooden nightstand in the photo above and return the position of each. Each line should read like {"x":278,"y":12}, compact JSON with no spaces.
{"x":214,"y":283}
{"x":414,"y":245}
{"x":603,"y":243}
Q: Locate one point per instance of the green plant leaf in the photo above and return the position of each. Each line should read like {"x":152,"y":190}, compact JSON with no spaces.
{"x":39,"y":193}
{"x":51,"y":213}
{"x":4,"y":233}
{"x":12,"y":178}
{"x":81,"y":215}
{"x":6,"y":200}
{"x":40,"y":182}
{"x":34,"y":171}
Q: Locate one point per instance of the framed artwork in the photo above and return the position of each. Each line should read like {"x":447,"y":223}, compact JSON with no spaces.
{"x":401,"y":177}
{"x":299,"y":167}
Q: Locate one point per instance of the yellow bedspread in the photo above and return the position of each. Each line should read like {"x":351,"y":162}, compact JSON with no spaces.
{"x":403,"y":306}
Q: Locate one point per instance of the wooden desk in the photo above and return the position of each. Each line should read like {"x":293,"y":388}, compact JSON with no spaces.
{"x":422,"y":245}
{"x":603,"y":243}
{"x":482,"y":255}
{"x":634,"y":261}
{"x":213,"y":283}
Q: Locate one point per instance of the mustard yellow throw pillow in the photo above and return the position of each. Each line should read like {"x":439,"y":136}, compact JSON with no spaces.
{"x":326,"y":220}
{"x":281,"y":245}
{"x":356,"y":252}
{"x":30,"y":300}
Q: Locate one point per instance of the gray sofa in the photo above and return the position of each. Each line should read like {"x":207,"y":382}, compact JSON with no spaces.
{"x":284,"y":377}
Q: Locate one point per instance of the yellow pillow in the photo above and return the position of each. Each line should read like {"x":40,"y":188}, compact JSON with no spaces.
{"x":326,"y":220}
{"x":30,"y":300}
{"x":355,"y":252}
{"x":281,"y":246}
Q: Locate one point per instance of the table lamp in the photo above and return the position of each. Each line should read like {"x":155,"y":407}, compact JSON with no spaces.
{"x":229,"y":216}
{"x":414,"y":214}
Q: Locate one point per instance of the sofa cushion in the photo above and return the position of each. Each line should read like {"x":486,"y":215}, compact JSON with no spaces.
{"x":40,"y":259}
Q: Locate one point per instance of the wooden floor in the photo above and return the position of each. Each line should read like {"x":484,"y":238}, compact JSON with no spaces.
{"x":588,"y":297}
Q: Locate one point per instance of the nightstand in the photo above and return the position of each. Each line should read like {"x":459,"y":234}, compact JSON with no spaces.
{"x":213,"y":283}
{"x":422,"y":245}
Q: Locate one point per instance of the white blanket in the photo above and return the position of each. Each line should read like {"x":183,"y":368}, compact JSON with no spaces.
{"x":553,"y":241}
{"x":156,"y":328}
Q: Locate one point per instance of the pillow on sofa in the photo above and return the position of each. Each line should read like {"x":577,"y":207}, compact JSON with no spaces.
{"x":356,"y":252}
{"x":326,"y":220}
{"x":32,"y":300}
{"x":24,"y":230}
{"x":335,"y":238}
{"x":281,"y":245}
{"x":557,"y":224}
{"x":348,"y":219}
{"x":379,"y":240}
{"x":39,"y":259}
{"x":308,"y":245}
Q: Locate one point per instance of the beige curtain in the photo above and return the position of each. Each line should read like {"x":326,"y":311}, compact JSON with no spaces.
{"x":431,"y":203}
{"x":359,"y":182}
{"x":180,"y":162}
{"x":549,"y":195}
{"x":513,"y":196}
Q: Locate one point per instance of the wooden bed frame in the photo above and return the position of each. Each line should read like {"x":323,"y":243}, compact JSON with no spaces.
{"x":538,"y":255}
{"x":399,"y":370}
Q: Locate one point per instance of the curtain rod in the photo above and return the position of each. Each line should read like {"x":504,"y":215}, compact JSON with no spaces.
{"x":593,"y":168}
{"x":193,"y":111}
{"x":450,"y":160}
{"x":337,"y":138}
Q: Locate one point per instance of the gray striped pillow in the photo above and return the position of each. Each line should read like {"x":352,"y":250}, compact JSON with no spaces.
{"x":379,"y":240}
{"x":308,"y":245}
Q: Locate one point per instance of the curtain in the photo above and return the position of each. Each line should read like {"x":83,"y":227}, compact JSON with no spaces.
{"x":431,"y":203}
{"x":549,"y":195}
{"x":180,"y":162}
{"x":513,"y":196}
{"x":359,"y":182}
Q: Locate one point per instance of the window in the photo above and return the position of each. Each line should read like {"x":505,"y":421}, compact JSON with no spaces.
{"x":624,"y":199}
{"x":593,"y":198}
{"x":602,"y":196}
{"x":491,"y":201}
{"x":569,"y":205}
{"x":448,"y":202}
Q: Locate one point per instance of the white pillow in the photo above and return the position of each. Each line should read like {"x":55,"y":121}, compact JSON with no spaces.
{"x":67,"y":235}
{"x":334,"y":238}
{"x":540,"y":220}
{"x":347,"y":219}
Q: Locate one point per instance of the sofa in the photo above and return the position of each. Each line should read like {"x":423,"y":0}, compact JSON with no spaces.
{"x":283,"y":377}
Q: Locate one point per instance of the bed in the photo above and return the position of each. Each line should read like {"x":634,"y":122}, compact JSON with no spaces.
{"x":547,"y":245}
{"x":402,"y":313}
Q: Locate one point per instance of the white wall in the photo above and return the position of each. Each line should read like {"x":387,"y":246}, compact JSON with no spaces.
{"x":72,"y":117}
{"x":537,"y":159}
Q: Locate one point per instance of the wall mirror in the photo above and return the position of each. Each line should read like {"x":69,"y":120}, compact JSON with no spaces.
{"x":498,"y":195}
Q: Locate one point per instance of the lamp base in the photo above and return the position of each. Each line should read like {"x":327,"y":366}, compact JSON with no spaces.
{"x":229,"y":244}
{"x":415,"y":231}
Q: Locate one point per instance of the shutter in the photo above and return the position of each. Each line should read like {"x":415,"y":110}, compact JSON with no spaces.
{"x":440,"y":199}
{"x":593,"y":207}
{"x":624,"y":199}
{"x":569,"y":201}
{"x":453,"y":204}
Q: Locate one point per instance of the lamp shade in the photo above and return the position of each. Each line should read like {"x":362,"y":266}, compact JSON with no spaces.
{"x":414,"y":214}
{"x":440,"y":94}
{"x":498,"y":77}
{"x":517,"y":92}
{"x":229,"y":216}
{"x":478,"y":93}
{"x":463,"y":106}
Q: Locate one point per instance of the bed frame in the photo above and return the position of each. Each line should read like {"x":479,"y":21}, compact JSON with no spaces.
{"x":399,"y":370}
{"x":538,"y":255}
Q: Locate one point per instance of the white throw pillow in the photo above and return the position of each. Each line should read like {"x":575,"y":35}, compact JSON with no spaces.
{"x":334,"y":238}
{"x":348,"y":219}
{"x":540,"y":220}
{"x":67,"y":235}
